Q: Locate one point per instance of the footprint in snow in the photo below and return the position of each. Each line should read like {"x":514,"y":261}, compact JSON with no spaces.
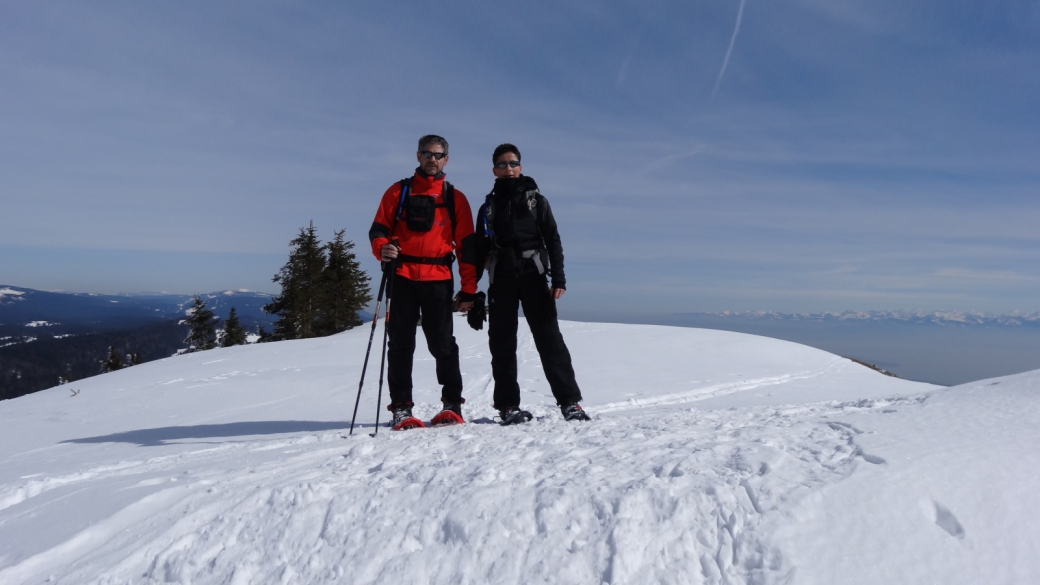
{"x":945,"y":519}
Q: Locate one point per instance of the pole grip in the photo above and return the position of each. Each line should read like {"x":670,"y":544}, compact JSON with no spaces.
{"x":392,"y":264}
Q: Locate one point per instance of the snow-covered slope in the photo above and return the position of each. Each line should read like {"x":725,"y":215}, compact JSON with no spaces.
{"x":713,"y":457}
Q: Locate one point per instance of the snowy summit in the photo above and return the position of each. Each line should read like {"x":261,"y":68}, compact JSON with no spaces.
{"x":712,"y":457}
{"x":10,"y":292}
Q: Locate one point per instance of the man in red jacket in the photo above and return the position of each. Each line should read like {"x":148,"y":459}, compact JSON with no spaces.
{"x":422,"y":224}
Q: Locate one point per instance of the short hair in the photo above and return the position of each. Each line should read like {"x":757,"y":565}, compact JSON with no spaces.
{"x":504,"y":148}
{"x":432,"y":139}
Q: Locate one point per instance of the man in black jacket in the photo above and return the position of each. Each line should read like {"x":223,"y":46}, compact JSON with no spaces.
{"x":519,"y":245}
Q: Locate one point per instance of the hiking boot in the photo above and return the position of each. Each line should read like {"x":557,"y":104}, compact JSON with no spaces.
{"x":513,"y":416}
{"x":451,"y":415}
{"x":573,"y":412}
{"x":403,"y":419}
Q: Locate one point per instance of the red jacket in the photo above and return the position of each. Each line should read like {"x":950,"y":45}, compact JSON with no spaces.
{"x":435,"y":243}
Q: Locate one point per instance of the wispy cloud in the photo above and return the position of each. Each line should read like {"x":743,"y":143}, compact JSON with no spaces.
{"x":729,"y":51}
{"x":623,"y":70}
{"x":850,"y":160}
{"x":674,"y":158}
{"x":986,"y":275}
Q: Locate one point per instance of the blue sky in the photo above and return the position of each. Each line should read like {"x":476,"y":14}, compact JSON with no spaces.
{"x":852,"y":154}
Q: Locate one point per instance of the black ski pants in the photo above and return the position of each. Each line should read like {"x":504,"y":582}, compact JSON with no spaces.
{"x":433,"y":300}
{"x":505,"y":295}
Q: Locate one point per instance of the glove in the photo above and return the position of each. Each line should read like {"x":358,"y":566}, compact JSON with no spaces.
{"x":461,"y":297}
{"x":478,"y":314}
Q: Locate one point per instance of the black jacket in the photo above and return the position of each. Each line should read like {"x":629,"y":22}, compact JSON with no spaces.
{"x":520,"y":220}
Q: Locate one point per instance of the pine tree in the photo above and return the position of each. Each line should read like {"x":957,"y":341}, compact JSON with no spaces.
{"x":263,"y":336}
{"x":112,"y":362}
{"x":299,"y":305}
{"x":344,"y":288}
{"x":203,"y":333}
{"x":134,"y":359}
{"x":234,"y":334}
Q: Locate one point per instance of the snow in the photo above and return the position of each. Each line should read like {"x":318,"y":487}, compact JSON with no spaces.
{"x":40,"y":324}
{"x":17,"y":294}
{"x":712,"y":457}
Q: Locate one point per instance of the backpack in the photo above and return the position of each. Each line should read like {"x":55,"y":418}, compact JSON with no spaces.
{"x":487,"y":230}
{"x":418,"y":210}
{"x":487,"y":218}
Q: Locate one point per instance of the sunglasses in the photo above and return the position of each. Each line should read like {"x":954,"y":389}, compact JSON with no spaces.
{"x":436,"y":155}
{"x":511,"y":163}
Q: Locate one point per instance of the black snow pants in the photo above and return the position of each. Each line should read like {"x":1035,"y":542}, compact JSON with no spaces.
{"x":505,"y":295}
{"x":433,"y":299}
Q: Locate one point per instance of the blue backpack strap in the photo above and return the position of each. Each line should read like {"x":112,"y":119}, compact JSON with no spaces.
{"x":406,"y":185}
{"x":487,"y":227}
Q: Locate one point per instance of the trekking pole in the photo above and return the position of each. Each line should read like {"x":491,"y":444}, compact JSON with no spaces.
{"x":371,"y":335}
{"x":391,"y":271}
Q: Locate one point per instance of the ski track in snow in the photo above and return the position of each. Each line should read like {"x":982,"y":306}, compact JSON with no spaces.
{"x":721,"y":389}
{"x":553,"y":502}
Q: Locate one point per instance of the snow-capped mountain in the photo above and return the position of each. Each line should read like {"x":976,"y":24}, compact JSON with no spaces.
{"x":47,"y":336}
{"x":915,"y":317}
{"x":712,"y":457}
{"x":21,"y":306}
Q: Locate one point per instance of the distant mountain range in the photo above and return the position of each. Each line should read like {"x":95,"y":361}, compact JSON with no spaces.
{"x":47,"y":335}
{"x":50,"y":336}
{"x":941,"y":347}
{"x":954,"y":318}
{"x":34,"y":312}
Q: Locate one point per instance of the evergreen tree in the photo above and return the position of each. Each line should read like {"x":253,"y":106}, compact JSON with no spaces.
{"x":299,"y":305}
{"x":234,"y":334}
{"x":263,"y":336}
{"x":203,"y":333}
{"x":344,"y":288}
{"x":134,"y":359}
{"x":112,"y":362}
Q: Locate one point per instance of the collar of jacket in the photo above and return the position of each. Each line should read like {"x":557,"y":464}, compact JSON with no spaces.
{"x":508,"y":187}
{"x":426,"y":184}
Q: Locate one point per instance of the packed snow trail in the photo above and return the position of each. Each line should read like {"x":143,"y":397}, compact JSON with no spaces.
{"x":739,"y":459}
{"x":650,"y":499}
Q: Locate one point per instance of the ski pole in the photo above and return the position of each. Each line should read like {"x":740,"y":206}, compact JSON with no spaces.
{"x":391,"y":271}
{"x":371,"y":335}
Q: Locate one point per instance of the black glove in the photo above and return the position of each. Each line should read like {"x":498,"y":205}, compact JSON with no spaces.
{"x":461,"y":297}
{"x":478,"y":314}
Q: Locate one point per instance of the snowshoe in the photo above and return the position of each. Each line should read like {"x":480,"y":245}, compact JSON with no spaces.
{"x":574,"y":412}
{"x":451,"y":415}
{"x":403,"y":419}
{"x":513,"y":416}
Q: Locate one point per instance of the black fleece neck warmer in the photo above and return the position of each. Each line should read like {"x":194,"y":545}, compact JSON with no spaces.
{"x":508,"y":187}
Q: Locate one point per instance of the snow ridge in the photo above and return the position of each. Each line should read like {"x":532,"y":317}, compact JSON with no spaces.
{"x":712,"y":457}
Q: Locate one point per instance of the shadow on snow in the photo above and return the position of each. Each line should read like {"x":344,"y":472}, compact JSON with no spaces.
{"x":162,"y":435}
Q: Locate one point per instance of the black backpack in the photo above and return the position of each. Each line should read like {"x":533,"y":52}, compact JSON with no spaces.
{"x":486,"y":219}
{"x":418,"y":210}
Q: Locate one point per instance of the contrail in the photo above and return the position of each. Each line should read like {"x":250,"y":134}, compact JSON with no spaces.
{"x":732,"y":41}
{"x":623,"y":72}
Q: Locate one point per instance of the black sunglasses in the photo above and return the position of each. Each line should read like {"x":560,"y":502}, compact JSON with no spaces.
{"x":507,"y":163}
{"x":436,"y":155}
